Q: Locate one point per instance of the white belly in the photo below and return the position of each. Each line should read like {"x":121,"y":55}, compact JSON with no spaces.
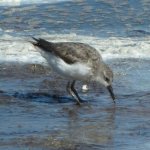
{"x":77,"y":71}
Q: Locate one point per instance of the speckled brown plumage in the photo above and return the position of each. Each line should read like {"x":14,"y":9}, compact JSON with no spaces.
{"x":70,"y":52}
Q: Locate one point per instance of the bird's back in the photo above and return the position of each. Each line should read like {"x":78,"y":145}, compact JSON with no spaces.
{"x":70,"y":52}
{"x":77,"y":52}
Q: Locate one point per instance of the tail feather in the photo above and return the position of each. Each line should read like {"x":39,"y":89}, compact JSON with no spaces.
{"x":35,"y":39}
{"x":43,"y":44}
{"x":35,"y":42}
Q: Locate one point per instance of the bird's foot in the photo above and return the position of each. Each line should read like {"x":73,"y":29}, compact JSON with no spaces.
{"x":81,"y":102}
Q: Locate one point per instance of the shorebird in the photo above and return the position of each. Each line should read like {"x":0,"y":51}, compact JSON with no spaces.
{"x":76,"y":61}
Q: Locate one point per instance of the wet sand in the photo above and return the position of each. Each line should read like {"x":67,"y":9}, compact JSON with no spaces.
{"x":37,"y":113}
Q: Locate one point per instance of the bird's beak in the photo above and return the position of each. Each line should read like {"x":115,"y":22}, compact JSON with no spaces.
{"x":110,"y":89}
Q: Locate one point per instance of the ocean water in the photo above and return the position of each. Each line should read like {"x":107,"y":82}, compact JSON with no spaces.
{"x":35,"y":110}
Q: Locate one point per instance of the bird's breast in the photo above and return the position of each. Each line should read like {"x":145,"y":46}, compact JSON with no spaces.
{"x":78,"y":71}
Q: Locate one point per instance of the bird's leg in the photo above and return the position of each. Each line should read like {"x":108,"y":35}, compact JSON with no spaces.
{"x":78,"y":99}
{"x":68,"y":88}
{"x":72,"y":91}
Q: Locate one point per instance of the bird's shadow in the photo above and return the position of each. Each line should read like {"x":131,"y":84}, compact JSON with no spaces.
{"x":40,"y":97}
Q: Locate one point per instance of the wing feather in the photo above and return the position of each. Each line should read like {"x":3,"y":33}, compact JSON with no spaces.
{"x":70,"y":52}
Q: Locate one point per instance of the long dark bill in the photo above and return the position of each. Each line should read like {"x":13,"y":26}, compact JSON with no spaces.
{"x":110,"y":89}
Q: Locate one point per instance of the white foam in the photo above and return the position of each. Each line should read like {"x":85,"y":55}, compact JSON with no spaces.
{"x":21,"y":2}
{"x":113,"y":47}
{"x":17,"y":49}
{"x":10,"y":2}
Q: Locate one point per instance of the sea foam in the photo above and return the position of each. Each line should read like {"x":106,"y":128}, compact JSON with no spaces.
{"x":20,"y":50}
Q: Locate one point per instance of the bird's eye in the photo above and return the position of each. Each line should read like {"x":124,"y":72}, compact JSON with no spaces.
{"x":107,"y":79}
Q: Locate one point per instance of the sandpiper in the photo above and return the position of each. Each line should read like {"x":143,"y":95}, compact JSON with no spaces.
{"x":76,"y":61}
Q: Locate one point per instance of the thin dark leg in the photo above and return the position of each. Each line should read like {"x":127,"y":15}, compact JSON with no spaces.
{"x":68,"y":88}
{"x":79,"y":100}
{"x":71,"y":90}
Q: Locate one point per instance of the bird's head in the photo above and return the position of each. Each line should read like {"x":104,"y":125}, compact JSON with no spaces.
{"x":105,"y":77}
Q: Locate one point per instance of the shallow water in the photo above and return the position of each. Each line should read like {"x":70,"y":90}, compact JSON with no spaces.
{"x":37,"y":113}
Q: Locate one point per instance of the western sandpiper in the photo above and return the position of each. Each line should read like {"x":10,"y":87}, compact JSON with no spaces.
{"x":76,"y":61}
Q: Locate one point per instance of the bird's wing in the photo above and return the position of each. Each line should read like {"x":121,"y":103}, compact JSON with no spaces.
{"x":70,"y":52}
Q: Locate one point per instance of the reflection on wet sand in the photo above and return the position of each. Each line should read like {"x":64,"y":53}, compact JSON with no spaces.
{"x":91,"y":125}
